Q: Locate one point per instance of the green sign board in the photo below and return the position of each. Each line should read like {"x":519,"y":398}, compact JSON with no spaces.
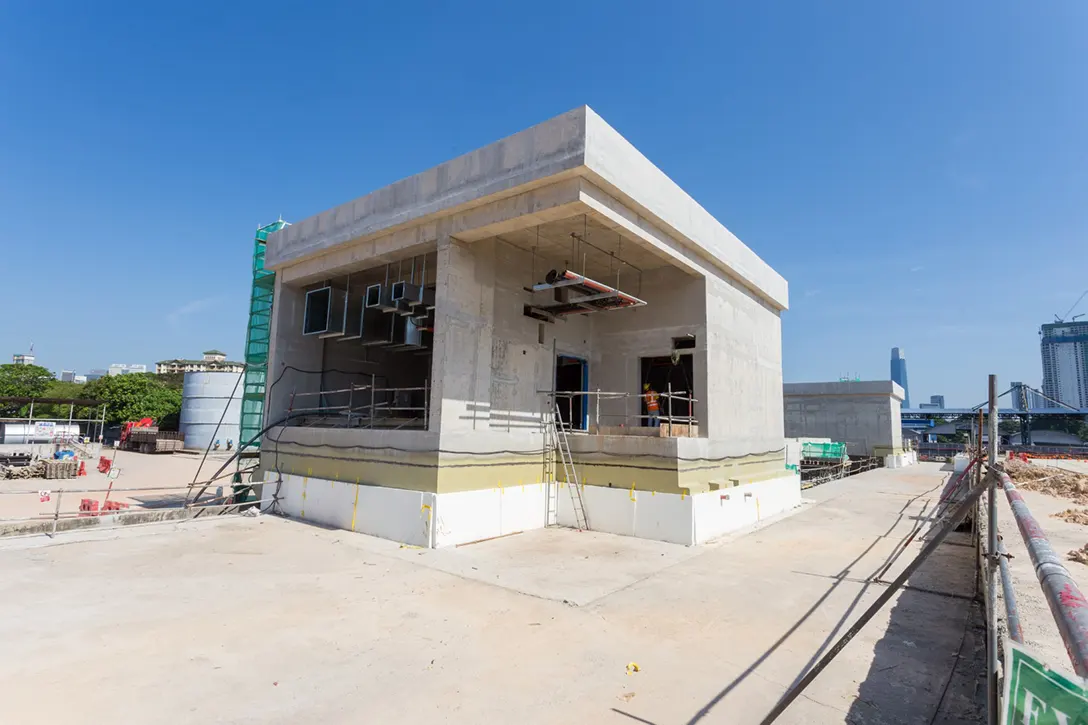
{"x":1038,"y":695}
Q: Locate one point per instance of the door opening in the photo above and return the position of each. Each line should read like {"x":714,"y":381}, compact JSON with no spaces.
{"x":661,"y":372}
{"x":571,"y":376}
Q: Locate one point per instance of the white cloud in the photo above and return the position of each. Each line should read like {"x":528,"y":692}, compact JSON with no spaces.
{"x":176,"y":316}
{"x":919,"y":268}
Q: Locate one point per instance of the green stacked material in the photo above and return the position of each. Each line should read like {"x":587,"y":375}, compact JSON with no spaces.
{"x":258,"y":335}
{"x":824,"y":451}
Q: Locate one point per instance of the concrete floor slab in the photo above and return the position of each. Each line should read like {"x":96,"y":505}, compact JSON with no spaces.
{"x":273,"y":621}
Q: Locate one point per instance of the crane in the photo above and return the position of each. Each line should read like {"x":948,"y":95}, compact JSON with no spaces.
{"x":1066,"y":316}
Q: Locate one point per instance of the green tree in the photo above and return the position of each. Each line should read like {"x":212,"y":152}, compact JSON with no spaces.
{"x":24,"y":381}
{"x":63,"y":390}
{"x":131,"y":397}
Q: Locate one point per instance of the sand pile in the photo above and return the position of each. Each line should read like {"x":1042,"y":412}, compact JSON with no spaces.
{"x":1073,"y":516}
{"x":1079,"y":555}
{"x":1049,"y":480}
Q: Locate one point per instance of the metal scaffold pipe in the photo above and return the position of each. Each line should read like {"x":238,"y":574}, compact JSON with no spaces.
{"x":1067,"y":603}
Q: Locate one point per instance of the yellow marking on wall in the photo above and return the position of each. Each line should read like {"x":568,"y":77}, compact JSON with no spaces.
{"x":682,"y":494}
{"x":355,"y":506}
{"x":309,"y":471}
{"x":302,"y":512}
{"x":501,"y":491}
{"x":631,"y":493}
{"x":757,"y":508}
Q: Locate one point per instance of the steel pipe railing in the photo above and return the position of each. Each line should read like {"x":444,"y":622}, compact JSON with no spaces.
{"x":1067,"y":603}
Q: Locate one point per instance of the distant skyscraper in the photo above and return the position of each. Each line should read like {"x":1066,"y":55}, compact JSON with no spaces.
{"x":899,"y":373}
{"x":67,"y":376}
{"x":1064,"y":347}
{"x":937,"y":401}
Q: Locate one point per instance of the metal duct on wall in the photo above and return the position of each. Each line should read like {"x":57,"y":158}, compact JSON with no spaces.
{"x":324,"y":313}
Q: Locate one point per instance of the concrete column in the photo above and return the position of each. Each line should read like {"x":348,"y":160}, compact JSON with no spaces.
{"x":290,"y":348}
{"x":464,"y":311}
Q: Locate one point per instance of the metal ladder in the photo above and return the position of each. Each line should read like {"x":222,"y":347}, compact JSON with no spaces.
{"x":558,"y":441}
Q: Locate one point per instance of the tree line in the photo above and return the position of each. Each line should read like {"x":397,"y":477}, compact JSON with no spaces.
{"x":127,"y":397}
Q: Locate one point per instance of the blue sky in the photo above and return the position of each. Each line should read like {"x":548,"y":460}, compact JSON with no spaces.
{"x":917,"y":171}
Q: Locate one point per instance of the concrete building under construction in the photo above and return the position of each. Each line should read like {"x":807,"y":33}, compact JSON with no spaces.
{"x":478,"y":350}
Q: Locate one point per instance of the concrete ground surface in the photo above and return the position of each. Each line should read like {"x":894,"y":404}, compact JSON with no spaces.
{"x":1036,"y":620}
{"x":267,"y":620}
{"x":19,"y":498}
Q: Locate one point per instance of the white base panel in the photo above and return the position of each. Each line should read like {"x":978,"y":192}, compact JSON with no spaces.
{"x":901,"y":460}
{"x":410,"y":517}
{"x":678,"y":518}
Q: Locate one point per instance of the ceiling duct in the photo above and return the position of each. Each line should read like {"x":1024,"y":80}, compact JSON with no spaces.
{"x":407,"y":334}
{"x":353,"y":317}
{"x":324,"y":312}
{"x":379,"y":296}
{"x":377,"y":327}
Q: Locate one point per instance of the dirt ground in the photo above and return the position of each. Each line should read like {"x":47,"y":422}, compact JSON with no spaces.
{"x":267,"y":620}
{"x":19,"y":498}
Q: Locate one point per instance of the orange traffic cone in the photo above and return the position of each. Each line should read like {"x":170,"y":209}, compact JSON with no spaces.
{"x":82,"y":469}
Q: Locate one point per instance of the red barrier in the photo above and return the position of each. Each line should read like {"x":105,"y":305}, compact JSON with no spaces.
{"x":88,"y":507}
{"x":104,"y":464}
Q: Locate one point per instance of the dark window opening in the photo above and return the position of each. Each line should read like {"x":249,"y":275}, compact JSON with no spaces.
{"x":571,"y":377}
{"x":687,"y":342}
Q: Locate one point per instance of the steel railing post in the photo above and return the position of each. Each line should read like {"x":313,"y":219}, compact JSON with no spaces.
{"x":991,"y":561}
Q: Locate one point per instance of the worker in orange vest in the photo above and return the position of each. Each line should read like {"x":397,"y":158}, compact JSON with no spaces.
{"x":652,"y":406}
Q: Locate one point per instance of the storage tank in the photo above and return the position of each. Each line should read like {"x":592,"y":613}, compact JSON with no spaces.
{"x":40,"y":431}
{"x":204,"y":397}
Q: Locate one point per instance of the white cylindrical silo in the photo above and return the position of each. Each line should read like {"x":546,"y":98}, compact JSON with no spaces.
{"x":204,"y":397}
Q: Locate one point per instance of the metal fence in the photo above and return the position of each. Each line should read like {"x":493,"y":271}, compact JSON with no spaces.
{"x":362,"y":406}
{"x":596,"y":410}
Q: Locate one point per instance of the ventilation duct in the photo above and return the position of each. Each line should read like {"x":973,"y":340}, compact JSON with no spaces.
{"x":377,"y":327}
{"x":324,"y":312}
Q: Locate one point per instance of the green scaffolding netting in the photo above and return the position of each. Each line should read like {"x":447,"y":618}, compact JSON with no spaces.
{"x":258,"y":334}
{"x":825,"y":451}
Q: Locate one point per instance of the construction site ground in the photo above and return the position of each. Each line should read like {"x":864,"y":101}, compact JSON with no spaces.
{"x":267,"y":620}
{"x":153,"y":471}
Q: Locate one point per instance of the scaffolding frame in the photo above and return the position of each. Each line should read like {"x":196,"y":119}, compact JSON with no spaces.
{"x":258,"y":337}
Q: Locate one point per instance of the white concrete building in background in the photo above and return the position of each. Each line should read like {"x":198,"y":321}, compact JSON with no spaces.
{"x":123,"y":369}
{"x":422,"y":335}
{"x":865,"y":415}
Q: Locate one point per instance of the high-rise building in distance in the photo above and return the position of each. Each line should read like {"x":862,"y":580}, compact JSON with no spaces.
{"x":899,"y":373}
{"x":937,"y":401}
{"x":1064,"y":348}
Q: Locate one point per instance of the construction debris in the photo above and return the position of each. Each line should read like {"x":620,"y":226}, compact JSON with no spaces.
{"x":1052,"y":481}
{"x":1079,"y":555}
{"x":1073,"y":516}
{"x":42,"y":468}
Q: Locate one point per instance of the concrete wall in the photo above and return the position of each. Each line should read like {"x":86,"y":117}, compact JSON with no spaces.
{"x":744,"y":346}
{"x":864,"y":415}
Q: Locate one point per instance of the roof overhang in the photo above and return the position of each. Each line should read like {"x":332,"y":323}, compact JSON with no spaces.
{"x":571,"y":164}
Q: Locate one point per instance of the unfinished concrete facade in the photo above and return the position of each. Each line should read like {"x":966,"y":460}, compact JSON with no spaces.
{"x":436,"y":433}
{"x":865,"y":415}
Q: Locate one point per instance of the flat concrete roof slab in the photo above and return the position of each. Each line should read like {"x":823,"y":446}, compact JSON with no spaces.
{"x":576,"y":143}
